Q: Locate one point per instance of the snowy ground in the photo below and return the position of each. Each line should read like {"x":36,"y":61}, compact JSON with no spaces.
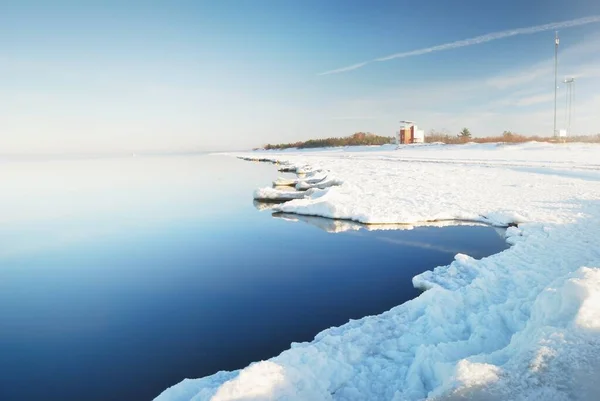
{"x":521,"y":324}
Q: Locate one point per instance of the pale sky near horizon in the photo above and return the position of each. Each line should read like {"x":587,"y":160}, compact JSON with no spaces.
{"x":93,"y":77}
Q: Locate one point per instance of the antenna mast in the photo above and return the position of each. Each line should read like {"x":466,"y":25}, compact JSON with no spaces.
{"x":570,"y":82}
{"x":556,"y":42}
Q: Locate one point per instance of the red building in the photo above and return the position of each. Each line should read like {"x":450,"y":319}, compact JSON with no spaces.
{"x":407,"y":134}
{"x":410,"y":134}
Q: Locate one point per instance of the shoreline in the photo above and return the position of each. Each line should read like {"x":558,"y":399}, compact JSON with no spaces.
{"x":481,"y":326}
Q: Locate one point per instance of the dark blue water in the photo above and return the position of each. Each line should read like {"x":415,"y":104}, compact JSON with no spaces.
{"x":121,"y":277}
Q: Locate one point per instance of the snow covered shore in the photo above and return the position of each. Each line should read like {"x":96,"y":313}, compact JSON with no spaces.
{"x":521,"y":324}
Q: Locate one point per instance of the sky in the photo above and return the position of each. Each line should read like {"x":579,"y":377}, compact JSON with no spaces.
{"x":181,"y":76}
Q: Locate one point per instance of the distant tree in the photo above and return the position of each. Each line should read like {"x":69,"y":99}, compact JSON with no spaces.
{"x":465,"y":134}
{"x":508,"y":134}
{"x":437,"y":136}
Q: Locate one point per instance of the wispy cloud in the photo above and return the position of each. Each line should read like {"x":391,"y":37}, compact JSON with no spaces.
{"x":536,"y":99}
{"x":474,"y":41}
{"x":522,"y":77}
{"x":588,"y":72}
{"x":344,"y":69}
{"x":343,"y":118}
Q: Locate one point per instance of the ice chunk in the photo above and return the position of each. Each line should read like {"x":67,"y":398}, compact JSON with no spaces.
{"x":274,"y":194}
{"x":259,"y":381}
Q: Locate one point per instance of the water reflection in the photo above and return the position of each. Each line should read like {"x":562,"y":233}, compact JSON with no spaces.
{"x":338,"y":225}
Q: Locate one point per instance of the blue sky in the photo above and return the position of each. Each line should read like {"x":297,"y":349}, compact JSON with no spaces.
{"x":205,"y":75}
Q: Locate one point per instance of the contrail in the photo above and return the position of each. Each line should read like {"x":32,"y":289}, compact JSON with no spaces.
{"x":474,"y":41}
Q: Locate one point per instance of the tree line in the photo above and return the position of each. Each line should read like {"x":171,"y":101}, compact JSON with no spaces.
{"x":464,"y":136}
{"x":507,"y":137}
{"x":357,"y":139}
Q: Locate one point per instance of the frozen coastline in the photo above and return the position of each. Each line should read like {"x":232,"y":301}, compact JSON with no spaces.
{"x":521,"y":324}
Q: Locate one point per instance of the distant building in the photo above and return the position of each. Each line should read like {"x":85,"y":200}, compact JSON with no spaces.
{"x":409,"y":133}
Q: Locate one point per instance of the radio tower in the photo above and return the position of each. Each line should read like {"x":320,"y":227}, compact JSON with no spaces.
{"x":556,"y":42}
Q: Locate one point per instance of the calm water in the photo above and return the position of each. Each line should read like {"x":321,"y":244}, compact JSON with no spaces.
{"x":121,"y":277}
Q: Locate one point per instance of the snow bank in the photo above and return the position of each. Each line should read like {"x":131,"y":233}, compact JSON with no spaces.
{"x":303,"y":183}
{"x":321,"y":184}
{"x":521,"y":324}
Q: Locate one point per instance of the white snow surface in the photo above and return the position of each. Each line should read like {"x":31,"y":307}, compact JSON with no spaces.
{"x":274,"y":194}
{"x":523,"y":324}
